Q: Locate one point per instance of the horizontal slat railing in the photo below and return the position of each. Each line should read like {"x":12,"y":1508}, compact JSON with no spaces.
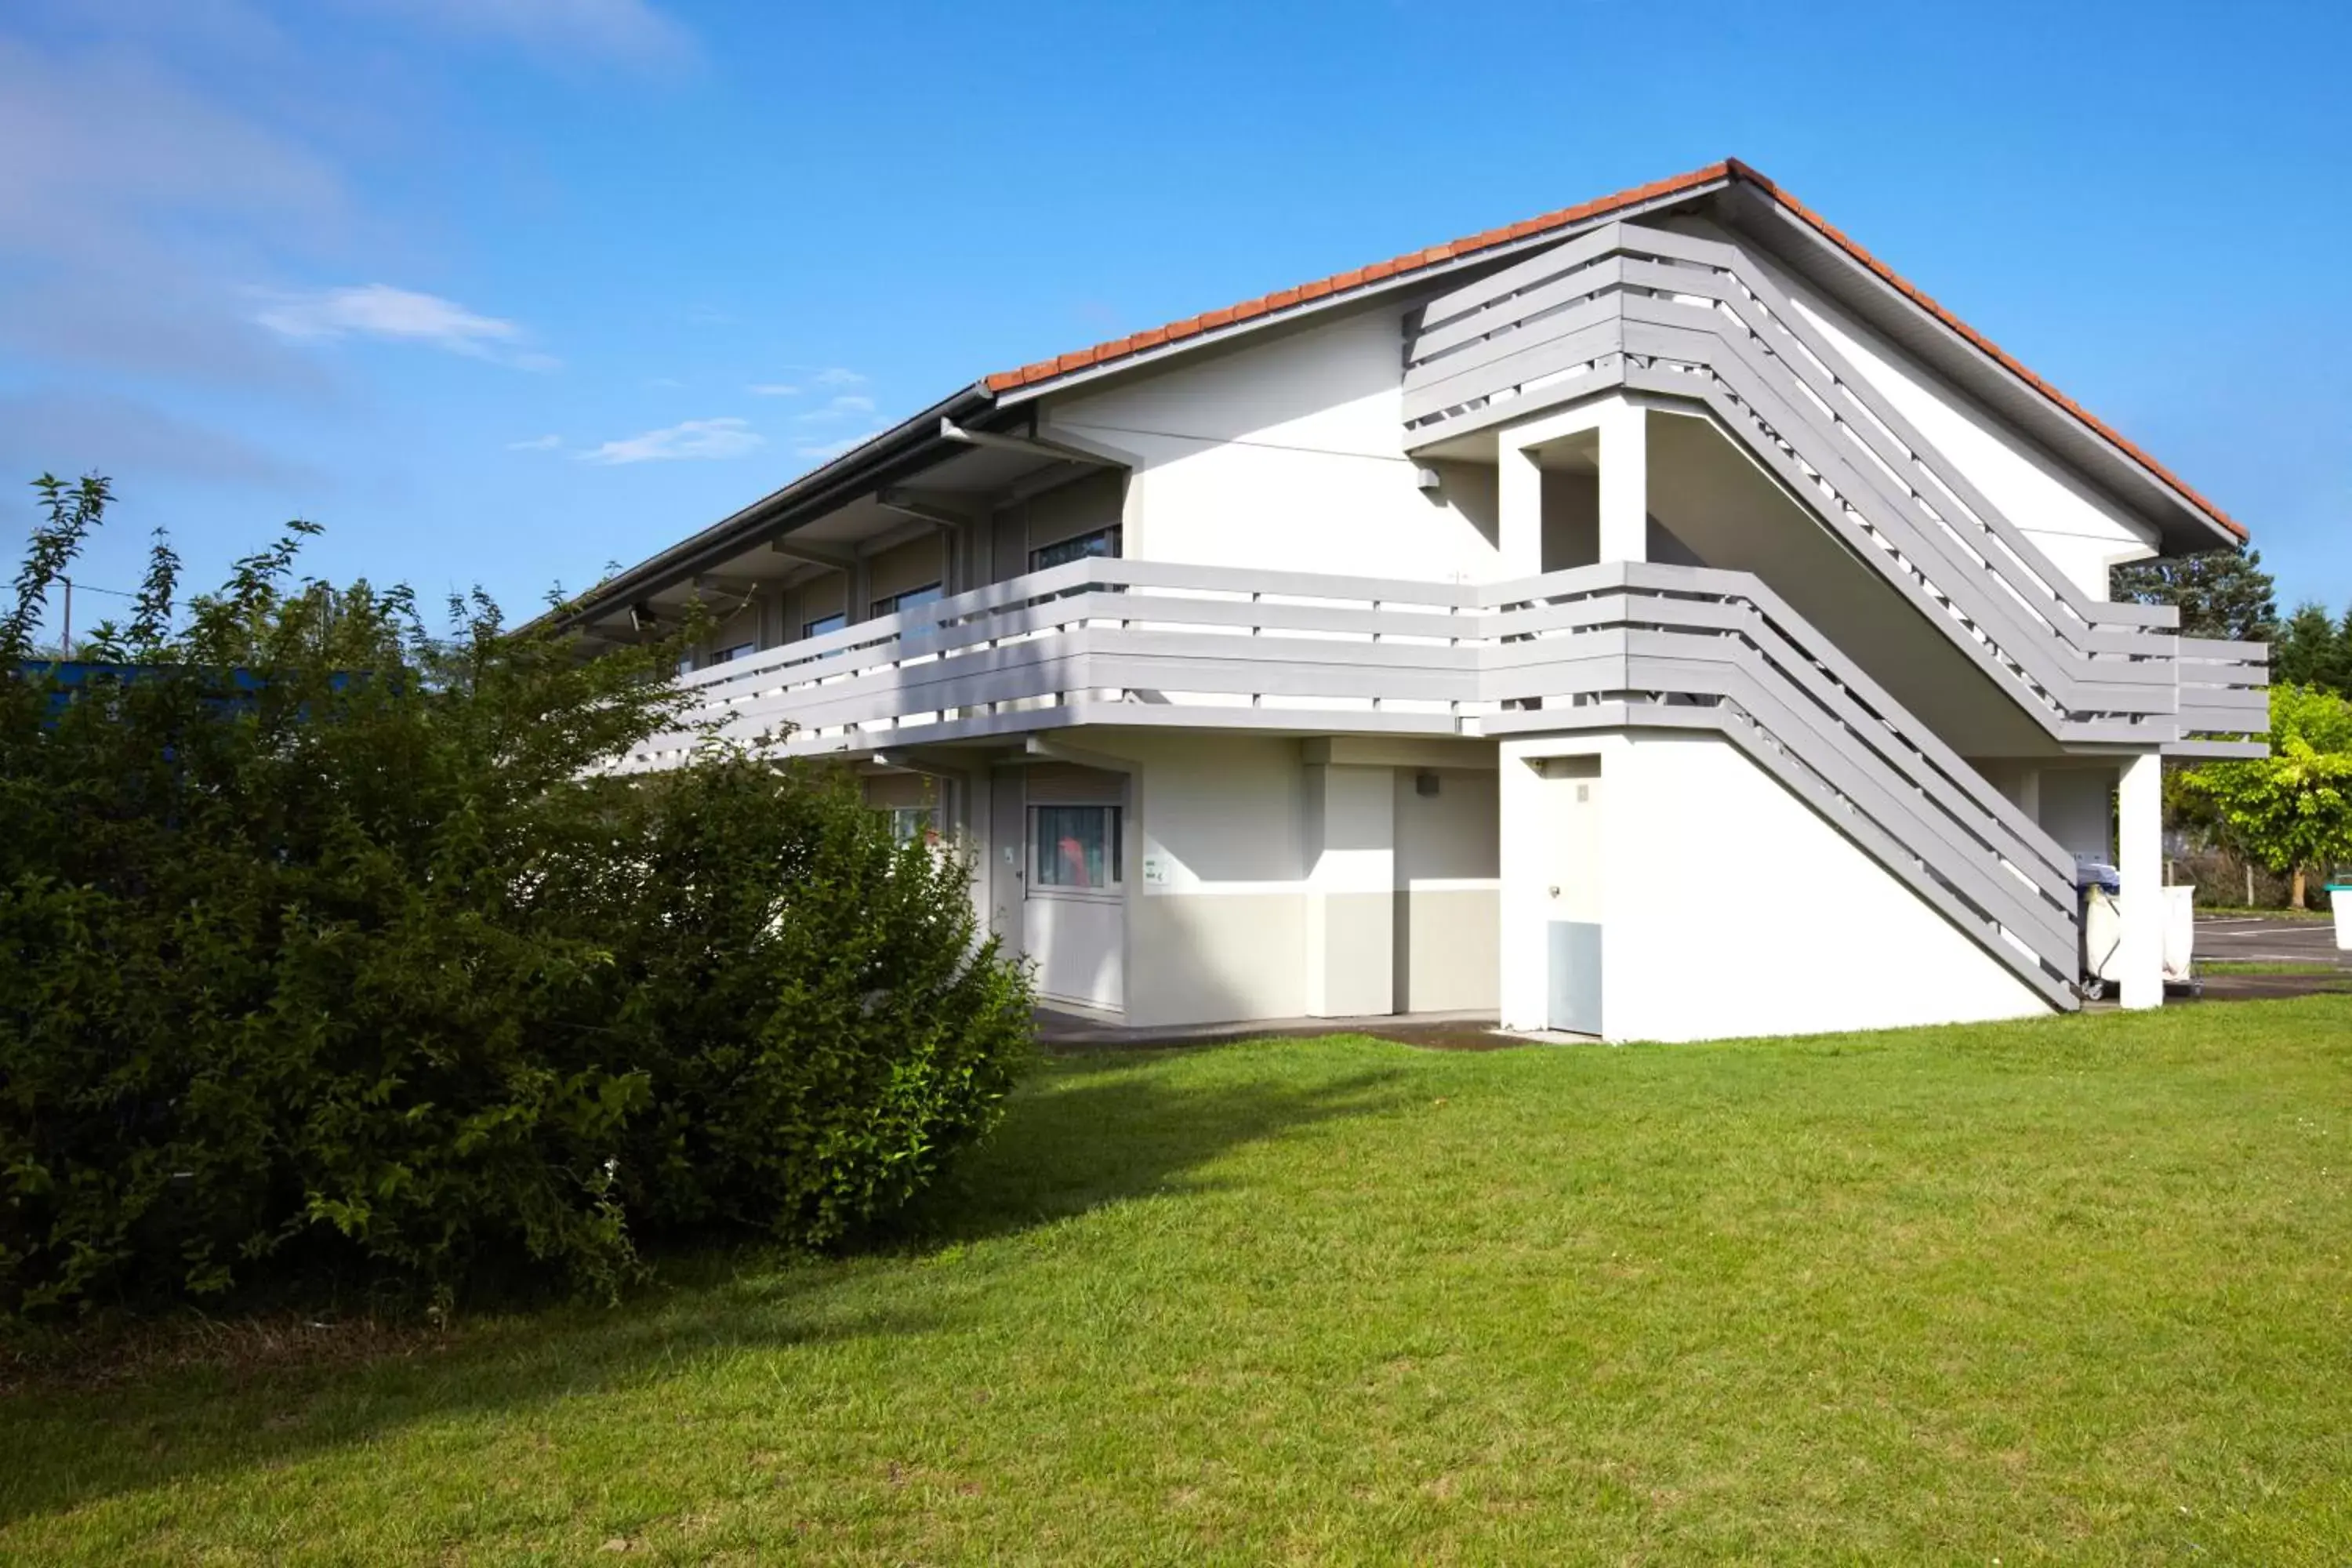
{"x":1687,"y":317}
{"x":1137,"y":642}
{"x":2225,"y":710}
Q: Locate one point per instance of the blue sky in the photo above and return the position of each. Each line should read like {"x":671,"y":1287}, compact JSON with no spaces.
{"x":502,"y":290}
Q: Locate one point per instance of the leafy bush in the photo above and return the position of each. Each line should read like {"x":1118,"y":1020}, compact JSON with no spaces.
{"x":815,"y":1056}
{"x":333,"y":955}
{"x":2291,"y":811}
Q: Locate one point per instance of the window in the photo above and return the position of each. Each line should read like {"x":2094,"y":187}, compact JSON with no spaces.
{"x":740,"y":650}
{"x":907,"y":600}
{"x":1101,"y":541}
{"x":908,"y":822}
{"x":823,"y":624}
{"x":1074,"y":845}
{"x":685,"y":664}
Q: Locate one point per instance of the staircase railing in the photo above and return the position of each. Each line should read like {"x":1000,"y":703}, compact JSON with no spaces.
{"x":1632,"y":646}
{"x":1690,"y":318}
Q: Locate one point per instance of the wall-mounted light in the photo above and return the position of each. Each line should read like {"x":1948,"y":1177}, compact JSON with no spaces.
{"x":642,"y":618}
{"x":1425,"y":785}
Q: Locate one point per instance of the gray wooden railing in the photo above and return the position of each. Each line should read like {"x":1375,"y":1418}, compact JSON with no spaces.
{"x":1678,"y":316}
{"x":1142,"y":643}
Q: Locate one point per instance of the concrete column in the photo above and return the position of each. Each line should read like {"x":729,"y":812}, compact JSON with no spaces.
{"x":2139,"y":857}
{"x":1624,"y":482}
{"x":1522,"y":905}
{"x":1350,"y":890}
{"x":1518,"y":499}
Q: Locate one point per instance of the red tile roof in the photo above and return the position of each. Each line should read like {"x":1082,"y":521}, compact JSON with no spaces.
{"x":1413,"y":261}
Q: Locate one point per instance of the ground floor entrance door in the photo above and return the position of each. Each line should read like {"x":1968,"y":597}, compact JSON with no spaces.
{"x":1573,"y":930}
{"x":1074,"y":904}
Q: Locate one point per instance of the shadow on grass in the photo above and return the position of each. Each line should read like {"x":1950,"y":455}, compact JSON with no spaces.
{"x":1110,"y":1129}
{"x":1086,"y":1132}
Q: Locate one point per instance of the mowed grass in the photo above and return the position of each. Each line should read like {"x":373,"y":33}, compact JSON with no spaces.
{"x":2074,"y":1291}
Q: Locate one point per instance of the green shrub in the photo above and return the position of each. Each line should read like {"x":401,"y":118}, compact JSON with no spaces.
{"x":332,"y":956}
{"x":816,"y":1055}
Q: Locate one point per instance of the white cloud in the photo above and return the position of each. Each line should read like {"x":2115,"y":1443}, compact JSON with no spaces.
{"x":834,"y":376}
{"x":630,"y":32}
{"x":726,"y":437}
{"x":772,"y":389}
{"x":380,"y":311}
{"x":131,"y":204}
{"x":536,"y":444}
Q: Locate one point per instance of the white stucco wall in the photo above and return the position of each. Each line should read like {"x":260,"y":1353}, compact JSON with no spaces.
{"x":1285,"y":453}
{"x":2082,"y":531}
{"x":1731,"y":907}
{"x":2076,"y":808}
{"x":1236,"y":839}
{"x":1448,"y":874}
{"x":1216,"y":906}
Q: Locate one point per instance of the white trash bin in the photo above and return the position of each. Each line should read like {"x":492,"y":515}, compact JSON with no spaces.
{"x":2103,"y":938}
{"x":2340,"y":895}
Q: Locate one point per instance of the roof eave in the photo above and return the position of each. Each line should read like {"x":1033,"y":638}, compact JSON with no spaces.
{"x":866,"y":468}
{"x":1398,"y":276}
{"x":2141,"y":471}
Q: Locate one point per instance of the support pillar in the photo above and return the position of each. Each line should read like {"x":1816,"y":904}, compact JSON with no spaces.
{"x":855,"y":600}
{"x":1350,"y":890}
{"x":2139,"y":857}
{"x":1519,"y":501}
{"x":1624,"y":482}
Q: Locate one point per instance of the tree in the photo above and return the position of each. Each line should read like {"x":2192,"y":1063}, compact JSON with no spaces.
{"x":2222,"y":594}
{"x":2313,"y":649}
{"x":2292,"y":810}
{"x":337,"y":955}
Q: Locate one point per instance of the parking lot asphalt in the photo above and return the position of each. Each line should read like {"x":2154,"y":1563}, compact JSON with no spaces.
{"x":2269,"y":939}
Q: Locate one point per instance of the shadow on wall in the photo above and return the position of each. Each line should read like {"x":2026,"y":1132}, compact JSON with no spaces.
{"x":1085,"y":1133}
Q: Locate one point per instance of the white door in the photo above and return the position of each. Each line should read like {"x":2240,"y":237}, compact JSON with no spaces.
{"x":1075,"y":903}
{"x":1572,"y":891}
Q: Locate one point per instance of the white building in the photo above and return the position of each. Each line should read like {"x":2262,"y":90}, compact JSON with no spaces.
{"x":1654,"y":619}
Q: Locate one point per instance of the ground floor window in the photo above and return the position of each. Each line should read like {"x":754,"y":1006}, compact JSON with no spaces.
{"x":1074,"y":845}
{"x":894,"y":602}
{"x":908,"y":822}
{"x":1102,"y":541}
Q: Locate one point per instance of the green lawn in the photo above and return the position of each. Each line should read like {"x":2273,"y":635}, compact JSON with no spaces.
{"x":2072,"y":1291}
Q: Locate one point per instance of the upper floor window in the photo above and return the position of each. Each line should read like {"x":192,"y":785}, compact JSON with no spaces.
{"x":738,"y":650}
{"x":1102,"y":541}
{"x":823,"y":624}
{"x":894,"y":602}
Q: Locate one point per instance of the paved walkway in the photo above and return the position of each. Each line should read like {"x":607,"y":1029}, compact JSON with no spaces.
{"x":1061,"y":1030}
{"x":2239,"y":939}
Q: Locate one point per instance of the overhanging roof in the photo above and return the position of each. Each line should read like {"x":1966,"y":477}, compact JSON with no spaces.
{"x":911,"y":447}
